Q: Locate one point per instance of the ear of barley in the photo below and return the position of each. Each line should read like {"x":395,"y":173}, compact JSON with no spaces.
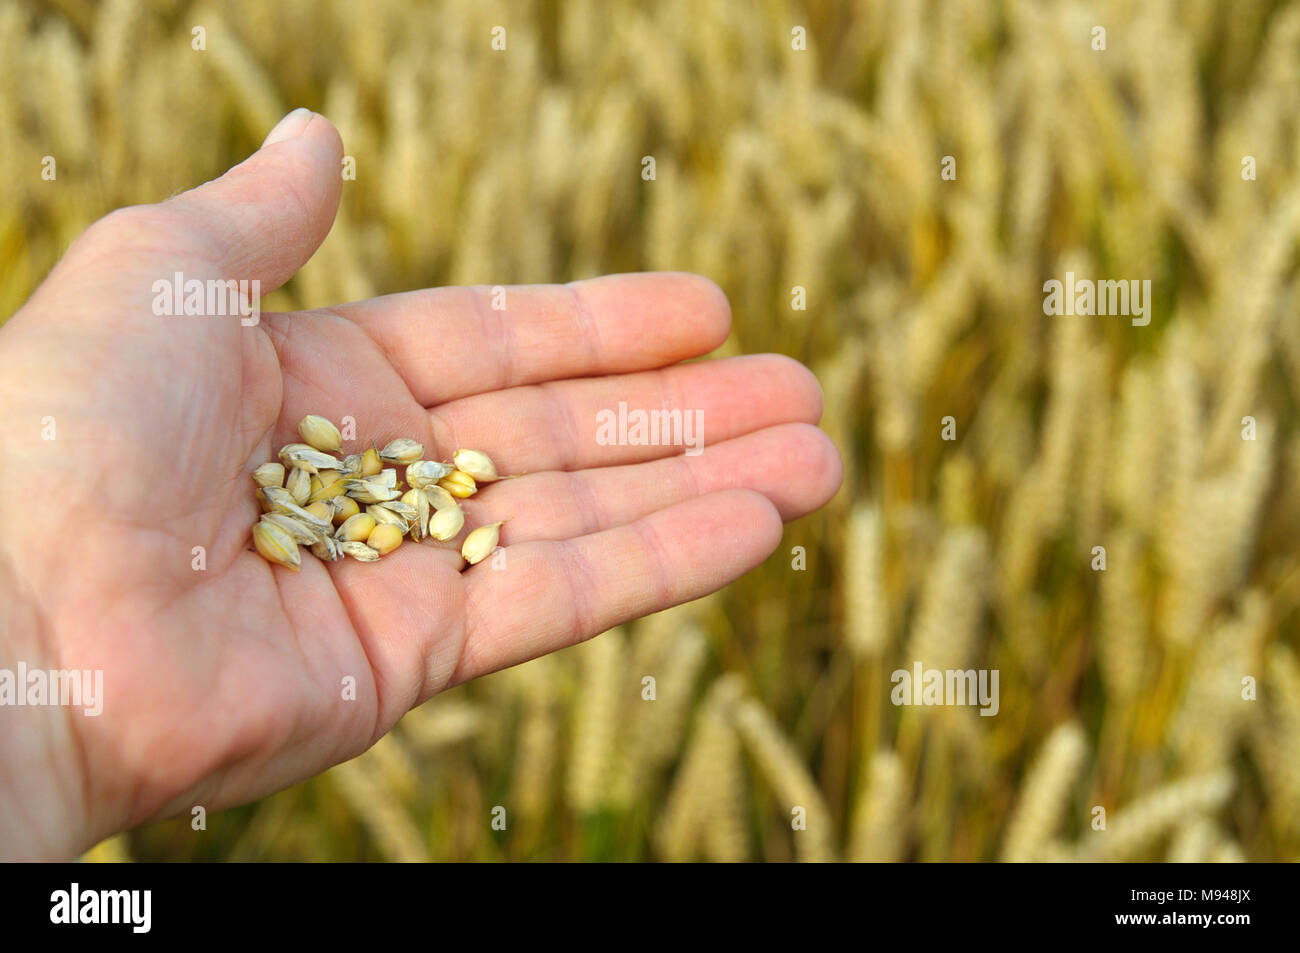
{"x":393,"y":766}
{"x":879,"y":823}
{"x":1125,"y":620}
{"x":1021,"y":541}
{"x":441,"y":723}
{"x":656,"y":727}
{"x":1137,"y":474}
{"x":785,"y":772}
{"x":1276,"y":738}
{"x":387,"y":821}
{"x":1062,"y":424}
{"x":604,"y":678}
{"x":1133,"y":830}
{"x":948,"y":619}
{"x":677,"y":831}
{"x":111,"y":50}
{"x":1208,"y":557}
{"x":942,"y":312}
{"x":701,"y":817}
{"x":59,"y":64}
{"x":721,"y":794}
{"x":841,"y":377}
{"x":537,"y":746}
{"x":1213,"y":713}
{"x":240,"y":74}
{"x":1044,"y":795}
{"x":1094,"y":446}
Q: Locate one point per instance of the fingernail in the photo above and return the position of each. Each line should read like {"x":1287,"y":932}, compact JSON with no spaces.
{"x":290,"y":127}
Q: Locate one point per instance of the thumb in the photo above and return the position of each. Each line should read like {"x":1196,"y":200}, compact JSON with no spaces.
{"x":260,"y":221}
{"x":266,"y":217}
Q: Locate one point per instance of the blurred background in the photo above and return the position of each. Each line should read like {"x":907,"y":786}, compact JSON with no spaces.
{"x":798,"y":149}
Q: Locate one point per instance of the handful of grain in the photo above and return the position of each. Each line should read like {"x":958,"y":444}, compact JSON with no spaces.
{"x":356,"y":506}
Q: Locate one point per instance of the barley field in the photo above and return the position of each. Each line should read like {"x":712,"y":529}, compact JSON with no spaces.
{"x":799,"y":161}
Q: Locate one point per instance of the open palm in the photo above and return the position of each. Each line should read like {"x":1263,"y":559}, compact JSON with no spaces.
{"x":226,"y":678}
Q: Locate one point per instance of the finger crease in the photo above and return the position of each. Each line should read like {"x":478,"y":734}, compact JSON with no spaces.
{"x":504,"y":337}
{"x":563,"y":428}
{"x":582,"y":580}
{"x":590,"y":332}
{"x":586,"y":502}
{"x":654,"y":547}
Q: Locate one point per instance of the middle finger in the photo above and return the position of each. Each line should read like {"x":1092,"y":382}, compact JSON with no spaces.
{"x":575,"y":424}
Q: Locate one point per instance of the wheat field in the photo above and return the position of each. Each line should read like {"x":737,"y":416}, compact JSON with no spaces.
{"x":799,"y":154}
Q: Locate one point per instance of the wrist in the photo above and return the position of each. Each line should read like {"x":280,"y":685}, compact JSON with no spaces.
{"x":43,"y":810}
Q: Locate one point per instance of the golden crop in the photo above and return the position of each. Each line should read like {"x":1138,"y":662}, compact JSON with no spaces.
{"x":780,"y":172}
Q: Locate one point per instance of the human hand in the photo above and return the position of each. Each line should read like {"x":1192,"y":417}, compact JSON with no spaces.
{"x":224,"y":684}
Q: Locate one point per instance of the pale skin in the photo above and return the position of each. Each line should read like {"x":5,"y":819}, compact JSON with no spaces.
{"x":225,"y":684}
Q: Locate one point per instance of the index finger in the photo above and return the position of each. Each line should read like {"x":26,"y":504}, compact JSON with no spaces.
{"x":456,"y":342}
